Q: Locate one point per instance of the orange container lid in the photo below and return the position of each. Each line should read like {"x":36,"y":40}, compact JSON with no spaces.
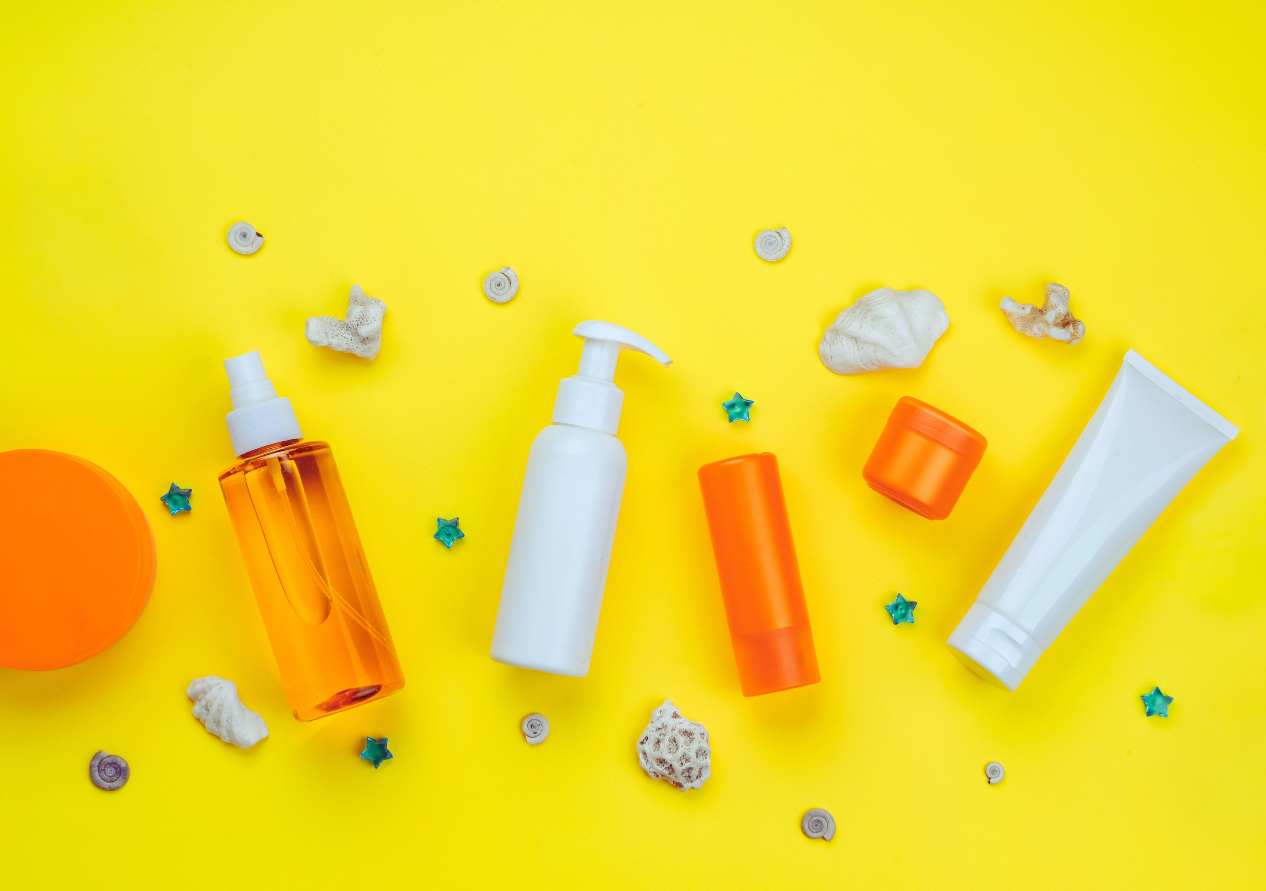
{"x":936,"y":424}
{"x":77,"y":559}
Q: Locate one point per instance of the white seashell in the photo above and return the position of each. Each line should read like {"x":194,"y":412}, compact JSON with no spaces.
{"x":884,"y":329}
{"x":675,"y":749}
{"x":244,"y":239}
{"x":500,"y":286}
{"x":217,"y":706}
{"x":535,"y":728}
{"x":994,"y":772}
{"x":773,"y":244}
{"x":360,"y":334}
{"x":1052,"y":320}
{"x":817,"y":823}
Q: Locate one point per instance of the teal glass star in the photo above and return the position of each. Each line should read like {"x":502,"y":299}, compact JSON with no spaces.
{"x":177,"y":499}
{"x":448,"y":531}
{"x":376,"y":751}
{"x":1157,"y":703}
{"x":738,"y":408}
{"x":901,"y":610}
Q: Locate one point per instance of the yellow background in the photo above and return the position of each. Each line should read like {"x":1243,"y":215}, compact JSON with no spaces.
{"x":622,"y":162}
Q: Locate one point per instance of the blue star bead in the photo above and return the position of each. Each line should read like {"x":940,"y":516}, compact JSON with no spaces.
{"x":738,"y":408}
{"x":901,"y":610}
{"x":448,"y":531}
{"x":1157,"y":703}
{"x":376,"y":751}
{"x":177,"y":499}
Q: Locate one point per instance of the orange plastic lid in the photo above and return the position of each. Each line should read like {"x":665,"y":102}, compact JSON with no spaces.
{"x":936,"y":424}
{"x":76,"y":559}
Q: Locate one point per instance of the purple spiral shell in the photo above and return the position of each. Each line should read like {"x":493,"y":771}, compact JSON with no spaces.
{"x":108,"y":772}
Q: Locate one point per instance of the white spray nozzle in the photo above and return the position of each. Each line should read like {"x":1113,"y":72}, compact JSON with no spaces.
{"x":259,"y":418}
{"x":603,"y":342}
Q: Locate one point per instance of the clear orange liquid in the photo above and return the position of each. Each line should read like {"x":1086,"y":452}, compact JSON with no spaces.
{"x":308,"y":569}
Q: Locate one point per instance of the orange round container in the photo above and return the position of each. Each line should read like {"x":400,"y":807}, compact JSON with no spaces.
{"x":923,"y":459}
{"x":760,"y":579}
{"x":76,"y":559}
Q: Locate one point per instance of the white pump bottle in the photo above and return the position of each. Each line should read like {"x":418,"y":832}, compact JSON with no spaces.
{"x":567,"y":514}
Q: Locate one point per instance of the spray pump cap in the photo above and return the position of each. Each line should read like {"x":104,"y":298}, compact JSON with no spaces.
{"x":590,"y":397}
{"x":259,"y":417}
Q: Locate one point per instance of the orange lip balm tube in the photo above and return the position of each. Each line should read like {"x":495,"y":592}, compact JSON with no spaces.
{"x":760,"y":579}
{"x":923,"y":459}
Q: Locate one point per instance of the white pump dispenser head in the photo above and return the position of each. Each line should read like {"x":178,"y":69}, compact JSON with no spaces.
{"x":590,"y":398}
{"x":259,"y":417}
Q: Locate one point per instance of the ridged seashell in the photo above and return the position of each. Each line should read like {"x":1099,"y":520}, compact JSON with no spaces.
{"x":675,"y":749}
{"x":360,"y":334}
{"x":244,"y":239}
{"x":994,"y":772}
{"x":1053,"y":320}
{"x":500,"y":286}
{"x":108,"y":772}
{"x":217,"y":706}
{"x":535,"y":728}
{"x":817,"y":823}
{"x":773,"y":244}
{"x":884,"y":329}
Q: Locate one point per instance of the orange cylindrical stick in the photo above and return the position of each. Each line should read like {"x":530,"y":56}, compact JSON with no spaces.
{"x":760,"y":579}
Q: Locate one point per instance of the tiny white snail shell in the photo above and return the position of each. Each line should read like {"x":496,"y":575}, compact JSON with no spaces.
{"x":994,"y":772}
{"x":535,"y":728}
{"x":773,"y":244}
{"x":500,"y":286}
{"x":817,"y":823}
{"x":244,"y":239}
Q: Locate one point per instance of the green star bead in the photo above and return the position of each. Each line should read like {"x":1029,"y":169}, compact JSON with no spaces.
{"x":376,"y":751}
{"x":177,"y":499}
{"x":448,"y":531}
{"x":901,"y":610}
{"x":1157,"y":703}
{"x":738,"y":408}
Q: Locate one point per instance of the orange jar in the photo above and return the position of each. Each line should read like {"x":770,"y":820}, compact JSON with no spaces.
{"x":760,"y":579}
{"x":923,"y":459}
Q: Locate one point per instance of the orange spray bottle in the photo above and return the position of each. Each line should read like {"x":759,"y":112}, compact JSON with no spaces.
{"x":760,"y":578}
{"x":303,"y":555}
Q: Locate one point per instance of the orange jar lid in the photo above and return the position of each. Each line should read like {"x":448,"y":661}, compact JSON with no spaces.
{"x":936,"y":424}
{"x":77,"y":559}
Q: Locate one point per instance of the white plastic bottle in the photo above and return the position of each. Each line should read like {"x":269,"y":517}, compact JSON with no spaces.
{"x":567,"y":514}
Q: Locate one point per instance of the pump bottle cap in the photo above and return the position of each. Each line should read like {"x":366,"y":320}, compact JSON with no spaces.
{"x":259,"y":417}
{"x":590,"y":397}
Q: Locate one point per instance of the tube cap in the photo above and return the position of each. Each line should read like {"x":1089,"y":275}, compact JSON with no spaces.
{"x":994,"y":647}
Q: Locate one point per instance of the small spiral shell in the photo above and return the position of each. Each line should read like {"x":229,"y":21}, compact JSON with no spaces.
{"x":244,"y":239}
{"x":994,"y":772}
{"x":773,"y":244}
{"x":817,"y":823}
{"x":535,"y":728}
{"x":108,"y":772}
{"x":500,"y":286}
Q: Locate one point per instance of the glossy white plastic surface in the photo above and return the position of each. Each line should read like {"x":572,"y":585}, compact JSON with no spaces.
{"x":563,"y":535}
{"x":1146,"y":441}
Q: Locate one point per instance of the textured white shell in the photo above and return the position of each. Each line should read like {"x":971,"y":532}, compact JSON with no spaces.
{"x":217,"y":706}
{"x":1053,"y":320}
{"x":818,"y":823}
{"x":500,"y":286}
{"x":535,"y":728}
{"x":994,"y":773}
{"x":884,"y":329}
{"x":244,"y":239}
{"x":360,"y":334}
{"x":773,"y":244}
{"x":674,"y":749}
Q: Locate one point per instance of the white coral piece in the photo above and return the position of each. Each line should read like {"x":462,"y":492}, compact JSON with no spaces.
{"x":884,"y":329}
{"x":217,"y":706}
{"x":1053,"y":320}
{"x":675,"y":749}
{"x":360,"y":334}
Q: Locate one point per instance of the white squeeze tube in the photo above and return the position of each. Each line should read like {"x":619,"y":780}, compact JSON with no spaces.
{"x":1147,"y":440}
{"x":565,"y":527}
